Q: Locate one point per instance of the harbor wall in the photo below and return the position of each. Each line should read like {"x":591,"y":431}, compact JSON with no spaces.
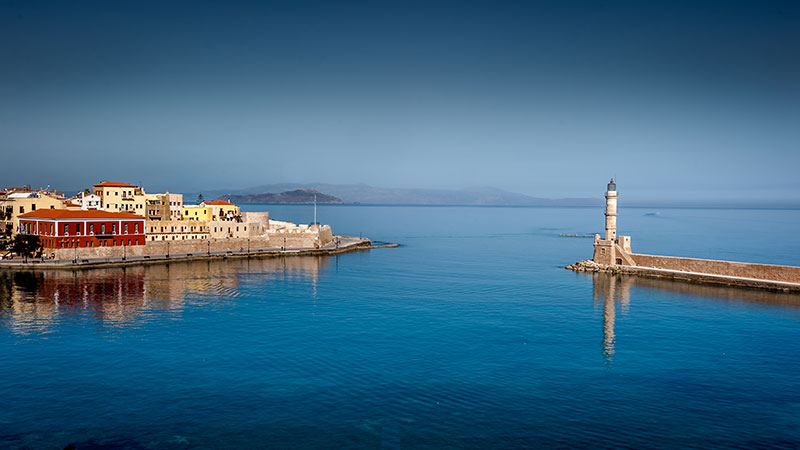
{"x":786,"y":274}
{"x":162,"y":248}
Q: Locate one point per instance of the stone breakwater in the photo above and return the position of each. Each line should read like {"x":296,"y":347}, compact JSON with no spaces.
{"x":761,"y":276}
{"x":185,"y":252}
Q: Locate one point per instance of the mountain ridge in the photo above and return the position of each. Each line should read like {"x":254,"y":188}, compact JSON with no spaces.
{"x":366,"y":194}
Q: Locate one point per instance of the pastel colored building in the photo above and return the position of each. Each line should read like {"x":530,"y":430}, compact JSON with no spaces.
{"x":197,"y":212}
{"x":211,"y":210}
{"x":67,"y":228}
{"x":121,"y":197}
{"x":176,"y":230}
{"x":15,"y":204}
{"x":222,"y":210}
{"x":89,"y":201}
{"x":164,"y":206}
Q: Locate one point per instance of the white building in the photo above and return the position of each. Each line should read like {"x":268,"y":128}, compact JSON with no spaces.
{"x":89,"y":201}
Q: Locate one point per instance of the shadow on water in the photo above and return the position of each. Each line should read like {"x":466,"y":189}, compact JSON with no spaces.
{"x":614,"y":290}
{"x":115,"y":296}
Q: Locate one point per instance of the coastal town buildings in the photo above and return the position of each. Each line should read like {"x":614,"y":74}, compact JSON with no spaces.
{"x":120,"y":197}
{"x":15,"y":203}
{"x":104,"y":221}
{"x":88,"y":201}
{"x":164,"y":206}
{"x":60,"y":228}
{"x":211,"y":210}
{"x":175,"y":230}
{"x":156,"y":207}
{"x":175,"y":202}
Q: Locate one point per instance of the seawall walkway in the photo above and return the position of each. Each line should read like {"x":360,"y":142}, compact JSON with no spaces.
{"x":699,"y":277}
{"x":342,"y":244}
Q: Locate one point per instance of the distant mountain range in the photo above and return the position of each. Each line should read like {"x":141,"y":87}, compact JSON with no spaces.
{"x":365,"y":194}
{"x":295,"y":196}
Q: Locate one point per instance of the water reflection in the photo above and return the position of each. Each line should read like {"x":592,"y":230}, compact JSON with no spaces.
{"x":610,"y":289}
{"x":615,"y":290}
{"x":34,"y":301}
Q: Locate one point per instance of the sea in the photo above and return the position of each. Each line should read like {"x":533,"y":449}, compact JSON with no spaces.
{"x":470,"y":334}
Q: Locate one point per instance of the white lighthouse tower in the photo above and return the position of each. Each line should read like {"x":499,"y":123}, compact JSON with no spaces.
{"x":611,"y":211}
{"x":613,"y":249}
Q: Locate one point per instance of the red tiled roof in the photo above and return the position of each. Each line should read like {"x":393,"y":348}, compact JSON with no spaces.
{"x":219,"y":203}
{"x":113,"y":184}
{"x":72,"y":214}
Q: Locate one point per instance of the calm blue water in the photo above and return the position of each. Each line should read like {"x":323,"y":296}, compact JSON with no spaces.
{"x":469,"y":335}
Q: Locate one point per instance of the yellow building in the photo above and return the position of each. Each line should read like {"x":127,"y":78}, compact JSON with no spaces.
{"x":121,"y":197}
{"x":15,"y":203}
{"x":213,"y":210}
{"x":196,"y":212}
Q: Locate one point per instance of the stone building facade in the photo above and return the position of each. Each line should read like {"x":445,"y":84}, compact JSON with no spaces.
{"x":175,"y":230}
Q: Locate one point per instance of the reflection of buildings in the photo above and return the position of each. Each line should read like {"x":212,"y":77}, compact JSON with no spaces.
{"x":36,"y":299}
{"x":611,"y":289}
{"x":119,"y":296}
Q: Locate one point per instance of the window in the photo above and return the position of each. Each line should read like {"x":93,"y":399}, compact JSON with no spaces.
{"x":129,"y":242}
{"x":103,"y":229}
{"x":33,"y":206}
{"x":78,"y":228}
{"x":66,"y":230}
{"x":136,"y":228}
{"x":126,"y":228}
{"x":116,"y":193}
{"x":91,"y":228}
{"x":113,"y":228}
{"x":21,"y":209}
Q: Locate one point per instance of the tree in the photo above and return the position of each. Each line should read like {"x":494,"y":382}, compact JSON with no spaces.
{"x":200,"y":199}
{"x":26,"y":245}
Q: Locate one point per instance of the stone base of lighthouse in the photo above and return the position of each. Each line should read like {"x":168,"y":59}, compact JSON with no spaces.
{"x":611,"y":252}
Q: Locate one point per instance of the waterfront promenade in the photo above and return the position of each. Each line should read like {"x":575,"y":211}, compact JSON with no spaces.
{"x":342,"y":244}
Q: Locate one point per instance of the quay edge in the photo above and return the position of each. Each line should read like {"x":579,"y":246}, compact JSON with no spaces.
{"x":696,"y":277}
{"x":351,"y":245}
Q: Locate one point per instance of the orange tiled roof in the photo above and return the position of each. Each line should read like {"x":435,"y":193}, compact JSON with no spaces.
{"x":219,"y":203}
{"x":71,"y":214}
{"x":114,"y":184}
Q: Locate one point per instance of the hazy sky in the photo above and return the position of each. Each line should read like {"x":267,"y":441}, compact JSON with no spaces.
{"x":545,"y":98}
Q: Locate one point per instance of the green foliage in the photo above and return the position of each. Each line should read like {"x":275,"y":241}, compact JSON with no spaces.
{"x":26,"y":245}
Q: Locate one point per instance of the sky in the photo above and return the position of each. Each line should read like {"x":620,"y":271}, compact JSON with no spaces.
{"x":690,"y":99}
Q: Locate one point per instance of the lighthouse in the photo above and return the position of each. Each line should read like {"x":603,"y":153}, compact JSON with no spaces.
{"x":611,"y":211}
{"x":612,"y":249}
